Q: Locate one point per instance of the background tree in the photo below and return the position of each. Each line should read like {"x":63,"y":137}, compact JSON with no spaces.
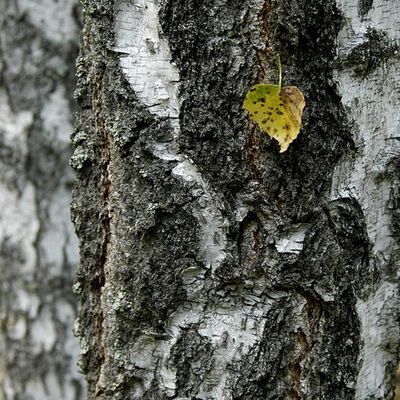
{"x":212,"y":266}
{"x":38,"y":247}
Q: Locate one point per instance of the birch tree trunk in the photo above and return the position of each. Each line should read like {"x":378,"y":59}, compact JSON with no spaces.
{"x":38,"y":247}
{"x":213,"y":266}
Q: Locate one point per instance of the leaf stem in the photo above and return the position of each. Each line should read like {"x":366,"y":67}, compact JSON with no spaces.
{"x":280,"y":70}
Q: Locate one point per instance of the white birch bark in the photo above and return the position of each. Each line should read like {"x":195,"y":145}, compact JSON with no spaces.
{"x":38,"y":247}
{"x":373,"y":103}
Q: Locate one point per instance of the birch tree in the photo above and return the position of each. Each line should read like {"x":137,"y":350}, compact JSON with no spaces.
{"x":38,"y":247}
{"x":213,"y":266}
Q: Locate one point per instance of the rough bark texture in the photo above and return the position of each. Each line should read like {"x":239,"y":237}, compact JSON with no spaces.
{"x":213,"y":267}
{"x":38,"y":247}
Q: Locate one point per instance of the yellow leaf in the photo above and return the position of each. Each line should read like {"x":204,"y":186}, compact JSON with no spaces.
{"x":276,"y":110}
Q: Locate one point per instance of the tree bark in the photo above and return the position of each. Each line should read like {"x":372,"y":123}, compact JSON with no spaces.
{"x":212,"y":266}
{"x":38,"y":247}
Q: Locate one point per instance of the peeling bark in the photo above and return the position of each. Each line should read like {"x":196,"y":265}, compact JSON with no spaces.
{"x":212,"y":266}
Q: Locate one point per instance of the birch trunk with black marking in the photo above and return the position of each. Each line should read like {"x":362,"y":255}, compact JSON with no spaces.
{"x":212,"y":266}
{"x":38,"y":246}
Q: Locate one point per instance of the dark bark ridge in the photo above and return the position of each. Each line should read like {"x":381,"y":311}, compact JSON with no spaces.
{"x":291,"y":186}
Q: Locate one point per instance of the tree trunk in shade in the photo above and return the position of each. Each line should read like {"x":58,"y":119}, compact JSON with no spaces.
{"x":38,"y":247}
{"x":213,"y":266}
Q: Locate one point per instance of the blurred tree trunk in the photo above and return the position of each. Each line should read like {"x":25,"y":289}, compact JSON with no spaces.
{"x":212,"y":266}
{"x":38,"y":248}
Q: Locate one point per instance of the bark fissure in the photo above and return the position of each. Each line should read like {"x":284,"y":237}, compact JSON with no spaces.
{"x":105,"y":221}
{"x":295,"y":365}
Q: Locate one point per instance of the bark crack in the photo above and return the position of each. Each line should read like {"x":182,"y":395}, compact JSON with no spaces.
{"x":295,"y":365}
{"x":105,"y":221}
